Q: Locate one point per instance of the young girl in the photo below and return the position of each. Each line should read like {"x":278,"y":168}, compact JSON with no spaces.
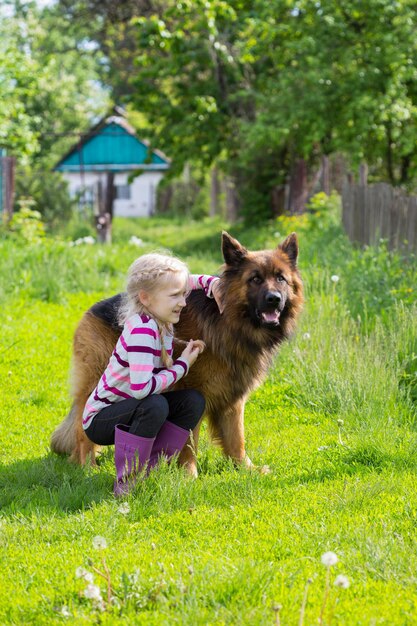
{"x":132,"y":406}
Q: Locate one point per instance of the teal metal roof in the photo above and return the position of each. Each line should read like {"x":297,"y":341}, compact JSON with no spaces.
{"x":112,"y":145}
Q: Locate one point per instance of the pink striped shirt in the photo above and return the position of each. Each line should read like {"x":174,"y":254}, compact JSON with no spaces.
{"x":135,"y":369}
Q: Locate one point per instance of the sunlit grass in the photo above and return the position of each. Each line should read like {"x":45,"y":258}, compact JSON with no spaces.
{"x":334,"y":421}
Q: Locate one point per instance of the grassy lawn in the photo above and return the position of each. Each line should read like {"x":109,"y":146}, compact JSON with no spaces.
{"x":335,"y":421}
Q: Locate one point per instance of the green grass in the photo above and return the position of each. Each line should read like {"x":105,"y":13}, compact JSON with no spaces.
{"x":335,"y":421}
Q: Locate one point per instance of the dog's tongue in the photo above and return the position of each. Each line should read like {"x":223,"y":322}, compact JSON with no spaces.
{"x":271,"y":318}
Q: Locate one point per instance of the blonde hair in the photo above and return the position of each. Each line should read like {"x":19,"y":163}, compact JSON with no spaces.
{"x":150,"y":272}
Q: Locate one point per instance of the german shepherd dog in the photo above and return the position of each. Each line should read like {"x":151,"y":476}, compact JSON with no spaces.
{"x":262,"y":297}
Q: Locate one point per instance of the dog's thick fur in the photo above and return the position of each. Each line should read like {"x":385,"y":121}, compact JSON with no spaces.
{"x":262,"y":295}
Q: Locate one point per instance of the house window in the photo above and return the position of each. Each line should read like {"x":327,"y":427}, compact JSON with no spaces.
{"x":122,"y":192}
{"x":85,"y":197}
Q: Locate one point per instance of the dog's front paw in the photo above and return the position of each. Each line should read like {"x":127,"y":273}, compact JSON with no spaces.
{"x":262,"y":469}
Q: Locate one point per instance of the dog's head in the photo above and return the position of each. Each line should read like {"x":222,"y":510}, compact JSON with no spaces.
{"x":264,"y":285}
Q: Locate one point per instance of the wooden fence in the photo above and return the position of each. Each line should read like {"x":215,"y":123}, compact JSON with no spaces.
{"x":374,"y":212}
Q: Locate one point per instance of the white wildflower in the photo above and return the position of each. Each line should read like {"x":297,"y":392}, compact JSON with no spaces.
{"x":78,"y":242}
{"x":99,"y":543}
{"x":329,"y":558}
{"x":306,"y":336}
{"x":277,"y":234}
{"x":342,"y":581}
{"x":335,"y":278}
{"x":80,"y":572}
{"x":92,"y":592}
{"x":136,"y":241}
{"x":124,"y":508}
{"x":65,"y":612}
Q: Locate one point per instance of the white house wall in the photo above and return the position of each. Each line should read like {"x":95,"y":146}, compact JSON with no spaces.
{"x":142,"y":200}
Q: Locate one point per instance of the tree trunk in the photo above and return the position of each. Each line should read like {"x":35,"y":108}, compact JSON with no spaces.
{"x":232,"y":200}
{"x":325,"y":174}
{"x":298,"y":187}
{"x":214,"y":192}
{"x":279,"y":200}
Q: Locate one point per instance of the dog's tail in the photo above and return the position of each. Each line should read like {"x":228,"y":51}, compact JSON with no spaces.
{"x":63,"y":437}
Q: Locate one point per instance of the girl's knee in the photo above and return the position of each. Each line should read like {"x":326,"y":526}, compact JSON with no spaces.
{"x":196,"y":402}
{"x":152,"y":412}
{"x":157,"y":406}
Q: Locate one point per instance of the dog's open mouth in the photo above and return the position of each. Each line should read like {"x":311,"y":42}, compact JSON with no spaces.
{"x":269,"y":317}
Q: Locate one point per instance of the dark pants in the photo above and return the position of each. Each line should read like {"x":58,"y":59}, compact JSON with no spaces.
{"x":146,"y":417}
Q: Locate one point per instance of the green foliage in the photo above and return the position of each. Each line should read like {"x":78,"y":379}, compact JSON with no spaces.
{"x":253,"y":87}
{"x":50,"y":87}
{"x":49,"y":192}
{"x":180,"y":197}
{"x":26,"y":226}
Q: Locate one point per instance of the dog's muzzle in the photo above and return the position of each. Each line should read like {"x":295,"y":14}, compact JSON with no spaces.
{"x":273,"y":308}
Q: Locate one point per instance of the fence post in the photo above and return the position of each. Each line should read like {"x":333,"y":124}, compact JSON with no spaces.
{"x":363,"y":174}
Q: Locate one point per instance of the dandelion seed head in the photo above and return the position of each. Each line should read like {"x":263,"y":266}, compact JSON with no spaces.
{"x":335,"y":278}
{"x":342,"y":581}
{"x":99,"y":543}
{"x":124,"y":508}
{"x":92,"y":592}
{"x":81,"y":572}
{"x":306,"y":336}
{"x":329,"y":558}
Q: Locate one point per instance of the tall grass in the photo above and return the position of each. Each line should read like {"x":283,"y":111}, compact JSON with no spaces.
{"x":335,"y":421}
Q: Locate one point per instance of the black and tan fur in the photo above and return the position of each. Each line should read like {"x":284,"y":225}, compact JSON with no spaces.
{"x":241,"y":343}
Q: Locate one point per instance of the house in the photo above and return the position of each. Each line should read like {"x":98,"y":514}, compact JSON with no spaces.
{"x":112,"y":146}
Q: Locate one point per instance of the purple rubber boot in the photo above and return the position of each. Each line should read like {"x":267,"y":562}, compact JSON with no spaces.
{"x":131,"y":453}
{"x":169,"y":441}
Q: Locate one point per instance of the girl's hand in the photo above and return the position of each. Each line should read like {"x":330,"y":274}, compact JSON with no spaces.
{"x":199,"y":343}
{"x":191,"y":352}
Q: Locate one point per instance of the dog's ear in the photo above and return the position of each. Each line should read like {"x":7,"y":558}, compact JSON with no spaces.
{"x":233,"y":251}
{"x":290,"y":247}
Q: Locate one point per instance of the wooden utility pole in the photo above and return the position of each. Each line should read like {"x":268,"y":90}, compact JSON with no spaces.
{"x":105,"y":201}
{"x":7,"y":182}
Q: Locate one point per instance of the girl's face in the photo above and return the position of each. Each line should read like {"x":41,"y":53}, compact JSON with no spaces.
{"x":168,"y":300}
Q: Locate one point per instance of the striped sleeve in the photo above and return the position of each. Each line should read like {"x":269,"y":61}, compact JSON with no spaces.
{"x":141,"y":346}
{"x":196,"y":281}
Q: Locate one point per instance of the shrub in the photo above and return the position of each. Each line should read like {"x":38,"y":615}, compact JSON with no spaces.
{"x":26,"y":224}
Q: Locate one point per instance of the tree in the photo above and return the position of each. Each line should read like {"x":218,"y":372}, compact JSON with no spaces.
{"x":266,"y":91}
{"x":50,"y":83}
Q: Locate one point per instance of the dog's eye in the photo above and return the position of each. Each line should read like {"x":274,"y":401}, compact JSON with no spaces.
{"x":256,"y":279}
{"x":280,"y":278}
